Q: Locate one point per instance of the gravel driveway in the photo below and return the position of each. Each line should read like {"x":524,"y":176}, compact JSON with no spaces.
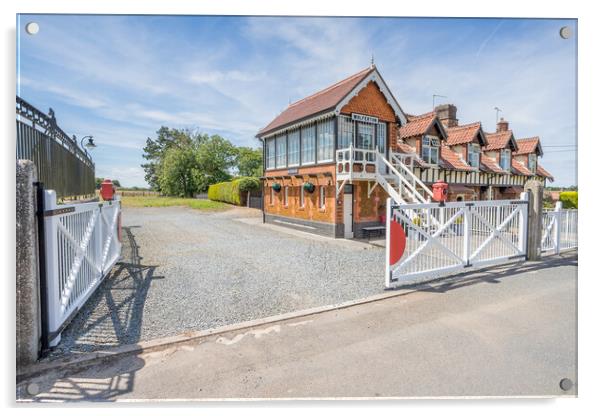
{"x":189,"y":270}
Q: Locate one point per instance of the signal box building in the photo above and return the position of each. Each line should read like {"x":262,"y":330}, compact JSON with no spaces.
{"x":332,"y":159}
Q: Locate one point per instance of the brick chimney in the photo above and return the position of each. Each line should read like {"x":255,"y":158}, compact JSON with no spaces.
{"x":502,"y":125}
{"x":447,"y":114}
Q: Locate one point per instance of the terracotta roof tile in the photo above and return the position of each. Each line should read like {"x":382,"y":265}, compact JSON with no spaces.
{"x":451,"y":160}
{"x":499,"y":140}
{"x":462,"y":134}
{"x":490,"y":165}
{"x":542,"y":172}
{"x":527,"y":145}
{"x":520,"y":169}
{"x":417,"y":125}
{"x":322,"y":100}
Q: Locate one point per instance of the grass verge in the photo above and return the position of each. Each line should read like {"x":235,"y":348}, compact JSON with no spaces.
{"x":164,"y":201}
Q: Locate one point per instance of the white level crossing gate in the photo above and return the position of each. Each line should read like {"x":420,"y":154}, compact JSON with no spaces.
{"x":427,"y":241}
{"x":559,"y":230}
{"x":82,"y":244}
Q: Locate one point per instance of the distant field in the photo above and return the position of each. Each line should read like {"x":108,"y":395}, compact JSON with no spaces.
{"x":164,"y":201}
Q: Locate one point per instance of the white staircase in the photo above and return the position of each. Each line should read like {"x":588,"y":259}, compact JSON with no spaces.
{"x":403,"y":185}
{"x":400,"y":182}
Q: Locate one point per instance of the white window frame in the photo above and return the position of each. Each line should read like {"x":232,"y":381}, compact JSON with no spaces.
{"x":322,"y":197}
{"x":473,"y":149}
{"x":346,"y":132}
{"x":294,"y":147}
{"x":308,"y":135}
{"x":381,"y":137}
{"x":432,"y":144}
{"x":270,"y":148}
{"x":281,"y":151}
{"x":532,"y":162}
{"x":325,"y":141}
{"x":286,"y":196}
{"x":505,"y":161}
{"x":301,"y":197}
{"x":368,"y":127}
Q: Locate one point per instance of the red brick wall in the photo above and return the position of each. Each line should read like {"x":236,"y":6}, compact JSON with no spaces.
{"x":368,"y":208}
{"x":370,"y":101}
{"x":311,"y":211}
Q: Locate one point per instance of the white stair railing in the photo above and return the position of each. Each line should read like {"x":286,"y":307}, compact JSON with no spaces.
{"x":396,"y":160}
{"x":405,"y":187}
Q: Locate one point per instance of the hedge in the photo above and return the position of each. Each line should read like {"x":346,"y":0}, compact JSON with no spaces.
{"x":231,"y":192}
{"x":568,"y":199}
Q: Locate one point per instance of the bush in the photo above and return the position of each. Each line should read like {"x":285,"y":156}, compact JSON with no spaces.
{"x":231,"y":191}
{"x":569,"y":199}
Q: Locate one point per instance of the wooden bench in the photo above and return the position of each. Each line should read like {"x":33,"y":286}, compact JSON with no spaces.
{"x":378,"y":229}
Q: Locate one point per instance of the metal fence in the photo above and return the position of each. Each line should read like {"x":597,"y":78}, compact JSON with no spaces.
{"x":559,"y":232}
{"x":82,"y":242}
{"x":60,"y":163}
{"x":464,"y":235}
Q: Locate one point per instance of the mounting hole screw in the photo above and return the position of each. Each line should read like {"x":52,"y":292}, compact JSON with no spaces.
{"x":32,"y":28}
{"x":566,"y":384}
{"x":33,"y":389}
{"x":565,"y":32}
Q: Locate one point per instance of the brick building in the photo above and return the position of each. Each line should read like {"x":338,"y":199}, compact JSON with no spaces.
{"x":333,"y":158}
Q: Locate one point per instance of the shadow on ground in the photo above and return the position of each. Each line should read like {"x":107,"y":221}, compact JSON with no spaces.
{"x":492,"y":274}
{"x":113,"y":315}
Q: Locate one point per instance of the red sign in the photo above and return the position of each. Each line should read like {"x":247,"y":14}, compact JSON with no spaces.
{"x":398,"y":242}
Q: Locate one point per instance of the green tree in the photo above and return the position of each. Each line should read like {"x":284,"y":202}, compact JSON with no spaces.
{"x":216,"y":157}
{"x":155,"y":149}
{"x":249,"y":162}
{"x":179,"y":172}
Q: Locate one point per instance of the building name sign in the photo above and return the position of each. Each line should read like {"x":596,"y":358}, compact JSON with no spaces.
{"x":364,"y":118}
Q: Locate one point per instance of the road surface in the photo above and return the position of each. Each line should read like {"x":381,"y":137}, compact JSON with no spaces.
{"x":506,"y":331}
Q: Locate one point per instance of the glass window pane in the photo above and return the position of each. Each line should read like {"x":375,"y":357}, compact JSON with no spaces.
{"x":381,"y":140}
{"x":293,"y":148}
{"x":281,"y":151}
{"x":271,"y":153}
{"x":325,"y":141}
{"x":346,"y":130}
{"x":365,"y":136}
{"x":308,"y":145}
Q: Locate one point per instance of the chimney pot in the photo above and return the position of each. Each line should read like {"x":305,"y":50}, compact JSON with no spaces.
{"x":502,"y":125}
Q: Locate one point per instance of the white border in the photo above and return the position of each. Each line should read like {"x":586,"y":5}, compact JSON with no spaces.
{"x":590,"y":286}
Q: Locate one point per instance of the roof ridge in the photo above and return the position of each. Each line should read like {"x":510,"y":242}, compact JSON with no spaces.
{"x":465,"y":126}
{"x":500,"y":132}
{"x":528,"y":138}
{"x":425,"y":115}
{"x":331,"y":86}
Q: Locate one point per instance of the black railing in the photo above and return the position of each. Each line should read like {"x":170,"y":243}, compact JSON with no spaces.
{"x":61,"y":164}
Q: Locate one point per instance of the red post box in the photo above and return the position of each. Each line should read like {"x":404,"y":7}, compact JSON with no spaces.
{"x":440,"y":191}
{"x":107,"y":190}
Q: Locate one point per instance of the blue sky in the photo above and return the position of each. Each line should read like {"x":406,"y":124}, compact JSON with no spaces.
{"x":119,"y":78}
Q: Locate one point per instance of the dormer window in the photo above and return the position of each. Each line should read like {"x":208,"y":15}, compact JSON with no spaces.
{"x":474,"y":153}
{"x":505,"y":159}
{"x":533,"y":162}
{"x":430,"y":149}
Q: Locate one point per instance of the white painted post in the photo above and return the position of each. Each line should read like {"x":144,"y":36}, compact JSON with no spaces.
{"x":99,"y":240}
{"x":388,"y":246}
{"x":557,"y":229}
{"x":523,"y":223}
{"x":52,"y":267}
{"x":467,"y":233}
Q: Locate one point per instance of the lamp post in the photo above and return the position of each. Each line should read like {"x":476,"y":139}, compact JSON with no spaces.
{"x":89,"y":145}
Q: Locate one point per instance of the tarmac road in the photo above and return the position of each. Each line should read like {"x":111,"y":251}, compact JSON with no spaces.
{"x":505,"y":331}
